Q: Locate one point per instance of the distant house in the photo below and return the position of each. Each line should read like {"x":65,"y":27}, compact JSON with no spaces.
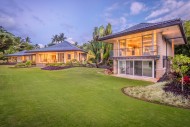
{"x":59,"y":53}
{"x":142,"y":51}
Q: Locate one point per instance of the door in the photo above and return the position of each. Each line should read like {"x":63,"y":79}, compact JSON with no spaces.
{"x":122,"y":67}
{"x":129,"y":67}
{"x":138,"y":68}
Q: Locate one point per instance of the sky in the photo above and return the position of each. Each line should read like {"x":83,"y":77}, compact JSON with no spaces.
{"x":41,"y":19}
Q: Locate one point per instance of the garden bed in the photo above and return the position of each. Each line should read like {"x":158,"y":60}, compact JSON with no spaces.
{"x":156,"y":93}
{"x":51,"y":68}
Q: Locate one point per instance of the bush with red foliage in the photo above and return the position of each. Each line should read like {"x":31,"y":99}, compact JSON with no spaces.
{"x":175,"y":87}
{"x":186,"y":80}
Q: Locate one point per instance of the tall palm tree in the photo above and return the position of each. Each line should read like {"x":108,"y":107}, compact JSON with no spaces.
{"x":62,"y":37}
{"x":36,"y":46}
{"x":108,"y":29}
{"x":96,"y":34}
{"x":55,"y":39}
{"x":100,"y":49}
{"x":27,"y":40}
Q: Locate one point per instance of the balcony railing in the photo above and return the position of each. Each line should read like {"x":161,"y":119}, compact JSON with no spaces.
{"x":135,"y":51}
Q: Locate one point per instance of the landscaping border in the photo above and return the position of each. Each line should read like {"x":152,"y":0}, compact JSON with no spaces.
{"x":146,"y":100}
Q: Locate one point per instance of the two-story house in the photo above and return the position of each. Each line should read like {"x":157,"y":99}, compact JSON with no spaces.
{"x":142,"y":51}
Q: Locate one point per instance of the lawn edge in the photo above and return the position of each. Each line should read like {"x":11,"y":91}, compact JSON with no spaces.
{"x":154,"y":102}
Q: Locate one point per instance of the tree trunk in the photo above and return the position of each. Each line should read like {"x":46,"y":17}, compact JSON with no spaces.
{"x":182,"y":84}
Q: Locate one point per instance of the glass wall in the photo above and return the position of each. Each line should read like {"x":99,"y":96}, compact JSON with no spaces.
{"x":122,"y":68}
{"x":138,"y":68}
{"x":134,"y":46}
{"x":147,"y":68}
{"x":129,"y":67}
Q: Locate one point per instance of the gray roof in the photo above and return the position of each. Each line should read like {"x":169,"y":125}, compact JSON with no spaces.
{"x":61,"y":47}
{"x":21,"y":53}
{"x":145,"y":27}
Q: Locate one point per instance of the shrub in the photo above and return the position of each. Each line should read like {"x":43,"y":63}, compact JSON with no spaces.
{"x":54,"y":64}
{"x":69,"y":63}
{"x":19,"y":65}
{"x":28,"y":63}
{"x":155,"y":93}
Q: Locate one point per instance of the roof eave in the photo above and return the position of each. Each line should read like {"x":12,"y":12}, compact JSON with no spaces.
{"x":178,"y":22}
{"x":54,"y":51}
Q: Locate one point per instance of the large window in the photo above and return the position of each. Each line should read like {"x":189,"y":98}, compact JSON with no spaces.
{"x":129,"y":67}
{"x":143,"y":68}
{"x":122,"y":68}
{"x":138,"y":68}
{"x":122,"y":48}
{"x":148,"y":46}
{"x":69,"y":56}
{"x":134,"y":46}
{"x":43,"y":57}
{"x":147,"y":68}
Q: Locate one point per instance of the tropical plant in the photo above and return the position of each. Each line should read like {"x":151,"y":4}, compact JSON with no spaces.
{"x":61,"y":37}
{"x":27,"y":40}
{"x":185,"y":49}
{"x":100,"y":49}
{"x":180,"y":64}
{"x":58,"y":38}
{"x":9,"y":43}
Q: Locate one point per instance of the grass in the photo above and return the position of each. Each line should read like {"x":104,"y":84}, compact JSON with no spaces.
{"x":77,"y":97}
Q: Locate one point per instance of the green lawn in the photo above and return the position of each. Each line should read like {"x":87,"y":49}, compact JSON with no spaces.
{"x":77,"y":97}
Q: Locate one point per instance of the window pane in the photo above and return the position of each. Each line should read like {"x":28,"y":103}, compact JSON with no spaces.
{"x":122,"y":48}
{"x":129,"y":67}
{"x":122,"y":67}
{"x":138,"y":68}
{"x":147,"y":68}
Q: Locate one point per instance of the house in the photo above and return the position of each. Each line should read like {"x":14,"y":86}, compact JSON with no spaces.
{"x":21,"y":56}
{"x":142,"y":51}
{"x":59,"y":53}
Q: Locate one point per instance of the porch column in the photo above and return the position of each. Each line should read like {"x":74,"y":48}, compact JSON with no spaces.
{"x":115,"y":66}
{"x":161,"y":50}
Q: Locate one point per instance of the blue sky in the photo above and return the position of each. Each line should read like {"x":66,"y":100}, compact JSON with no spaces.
{"x":40,"y":19}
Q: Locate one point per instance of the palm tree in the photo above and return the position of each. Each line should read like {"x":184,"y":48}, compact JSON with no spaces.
{"x":100,"y":49}
{"x":62,"y":37}
{"x":27,"y":40}
{"x":36,"y":46}
{"x":96,"y":34}
{"x":108,"y":29}
{"x":55,"y":39}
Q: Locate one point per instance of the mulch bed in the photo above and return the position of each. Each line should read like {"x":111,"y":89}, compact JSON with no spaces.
{"x":7,"y":63}
{"x":175,"y":88}
{"x":51,"y":68}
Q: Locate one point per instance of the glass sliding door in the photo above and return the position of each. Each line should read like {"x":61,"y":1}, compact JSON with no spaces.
{"x":129,"y":67}
{"x":138,"y":68}
{"x":147,"y":68}
{"x":122,"y":67}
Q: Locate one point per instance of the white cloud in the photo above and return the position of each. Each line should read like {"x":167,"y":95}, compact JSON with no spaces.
{"x":70,"y":40}
{"x":136,"y":8}
{"x":41,"y":45}
{"x":157,"y":13}
{"x":112,"y":7}
{"x":120,"y":22}
{"x":179,"y":10}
